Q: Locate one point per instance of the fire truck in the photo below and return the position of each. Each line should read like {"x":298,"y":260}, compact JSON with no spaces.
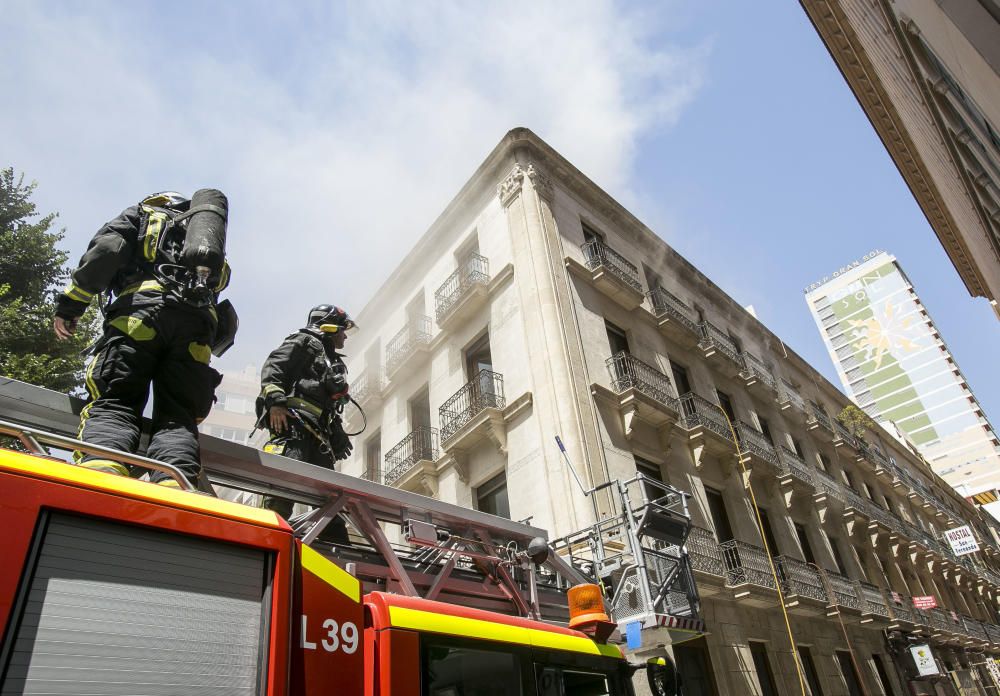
{"x":115,"y":586}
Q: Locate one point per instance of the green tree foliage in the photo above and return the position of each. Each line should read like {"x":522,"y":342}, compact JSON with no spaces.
{"x":856,"y":421}
{"x":32,"y":272}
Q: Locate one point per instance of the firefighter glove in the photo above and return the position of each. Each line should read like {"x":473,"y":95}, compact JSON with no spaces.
{"x":340,"y":443}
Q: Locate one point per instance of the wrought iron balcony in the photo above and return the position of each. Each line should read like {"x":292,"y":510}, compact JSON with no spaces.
{"x":704,"y":552}
{"x":419,"y":445}
{"x":746,"y":564}
{"x":993,"y":632}
{"x":872,"y":600}
{"x":755,"y":443}
{"x":470,"y":279}
{"x":818,"y":420}
{"x":799,"y":579}
{"x":483,"y":392}
{"x":791,"y":464}
{"x":368,"y":385}
{"x":843,"y":437}
{"x":699,"y":412}
{"x":787,"y":398}
{"x":628,"y":372}
{"x":676,"y":318}
{"x":413,"y":338}
{"x":599,"y":255}
{"x":901,"y":607}
{"x":756,"y":372}
{"x":973,"y":628}
{"x":845,"y":594}
{"x":715,"y":341}
{"x":827,"y":484}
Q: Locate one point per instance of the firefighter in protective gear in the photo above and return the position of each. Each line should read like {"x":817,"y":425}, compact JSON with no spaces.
{"x":156,"y":332}
{"x":303,"y":391}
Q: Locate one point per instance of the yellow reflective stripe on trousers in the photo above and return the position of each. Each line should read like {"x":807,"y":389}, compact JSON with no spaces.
{"x":134,"y":327}
{"x":200,"y":352}
{"x":154,"y":228}
{"x":75,"y":292}
{"x":296,"y":402}
{"x":144,"y":286}
{"x":92,"y":389}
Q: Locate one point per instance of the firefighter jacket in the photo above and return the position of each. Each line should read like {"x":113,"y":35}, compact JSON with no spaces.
{"x":122,"y":258}
{"x":301,"y":373}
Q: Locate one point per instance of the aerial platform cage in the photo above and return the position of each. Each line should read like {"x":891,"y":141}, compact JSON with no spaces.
{"x":638,"y":555}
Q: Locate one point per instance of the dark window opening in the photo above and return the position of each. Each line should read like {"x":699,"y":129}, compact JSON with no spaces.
{"x":478,"y":357}
{"x":491,"y":497}
{"x":616,"y":338}
{"x":883,"y":676}
{"x":373,"y":457}
{"x":809,"y":668}
{"x":824,"y":462}
{"x":807,"y":552}
{"x":560,"y":681}
{"x":652,"y":470}
{"x":727,"y":405}
{"x":849,"y":673}
{"x":772,"y":541}
{"x":681,"y":380}
{"x":763,"y":668}
{"x":797,"y":448}
{"x":720,"y":518}
{"x":765,"y":428}
{"x":590,"y":234}
{"x":837,"y":558}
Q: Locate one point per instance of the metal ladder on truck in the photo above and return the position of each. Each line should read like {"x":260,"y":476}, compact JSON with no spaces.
{"x":448,"y":553}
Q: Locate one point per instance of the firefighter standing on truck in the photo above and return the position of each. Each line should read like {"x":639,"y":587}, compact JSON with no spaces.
{"x":303,"y":391}
{"x":163,"y":261}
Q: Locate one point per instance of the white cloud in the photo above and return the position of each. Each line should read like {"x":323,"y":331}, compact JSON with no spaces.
{"x":337,"y":138}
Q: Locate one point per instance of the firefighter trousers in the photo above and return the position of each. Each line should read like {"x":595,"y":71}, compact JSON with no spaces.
{"x":163,"y":345}
{"x":303,"y":446}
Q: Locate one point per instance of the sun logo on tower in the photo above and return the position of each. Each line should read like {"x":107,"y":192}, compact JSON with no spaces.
{"x":884,"y":333}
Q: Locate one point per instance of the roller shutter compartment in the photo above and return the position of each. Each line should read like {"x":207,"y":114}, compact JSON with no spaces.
{"x":115,"y":610}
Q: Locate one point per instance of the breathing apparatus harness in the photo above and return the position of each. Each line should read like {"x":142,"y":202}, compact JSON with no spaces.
{"x":182,"y":245}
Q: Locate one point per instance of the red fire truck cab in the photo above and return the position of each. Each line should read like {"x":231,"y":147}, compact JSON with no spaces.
{"x":113,"y":586}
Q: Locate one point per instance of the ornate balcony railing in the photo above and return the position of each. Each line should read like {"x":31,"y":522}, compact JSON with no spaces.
{"x":704,"y":552}
{"x":754,"y":368}
{"x":845,"y":594}
{"x":788,"y":397}
{"x":902,"y":610}
{"x":367,"y":384}
{"x":939,"y":619}
{"x":791,"y":464}
{"x":714,"y":337}
{"x":872,"y":600}
{"x":474,"y":271}
{"x":664,"y":303}
{"x":419,"y":445}
{"x":484,"y":391}
{"x":799,"y":578}
{"x":416,"y":334}
{"x":698,"y":411}
{"x":827,"y":484}
{"x":600,"y":255}
{"x":628,"y":372}
{"x":973,"y":628}
{"x":755,"y":442}
{"x":842,"y":434}
{"x":993,"y":632}
{"x":817,"y":416}
{"x":746,"y":564}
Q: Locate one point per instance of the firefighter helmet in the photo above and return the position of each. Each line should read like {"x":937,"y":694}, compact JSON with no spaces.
{"x":329,"y":314}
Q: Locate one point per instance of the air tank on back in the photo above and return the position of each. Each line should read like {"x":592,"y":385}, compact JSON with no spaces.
{"x":204,"y":249}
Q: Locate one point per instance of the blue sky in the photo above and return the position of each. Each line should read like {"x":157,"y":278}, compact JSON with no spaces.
{"x":340,"y":132}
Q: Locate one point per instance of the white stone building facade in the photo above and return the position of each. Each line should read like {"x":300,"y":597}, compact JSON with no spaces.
{"x":536,"y":306}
